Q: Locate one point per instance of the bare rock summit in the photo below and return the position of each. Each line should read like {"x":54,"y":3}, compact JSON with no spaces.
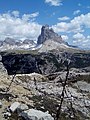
{"x":48,"y":34}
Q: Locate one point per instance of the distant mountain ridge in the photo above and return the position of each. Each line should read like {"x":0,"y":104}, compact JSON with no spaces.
{"x":10,"y":44}
{"x":47,"y":40}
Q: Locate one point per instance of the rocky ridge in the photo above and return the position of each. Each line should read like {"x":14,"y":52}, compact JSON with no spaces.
{"x":47,"y":39}
{"x":12,"y":44}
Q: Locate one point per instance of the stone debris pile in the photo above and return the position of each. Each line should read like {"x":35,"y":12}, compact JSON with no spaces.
{"x":24,"y":112}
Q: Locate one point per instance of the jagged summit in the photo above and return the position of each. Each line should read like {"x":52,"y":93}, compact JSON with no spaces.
{"x":51,"y":40}
{"x":9,"y":41}
{"x":13,"y":44}
{"x":48,"y":33}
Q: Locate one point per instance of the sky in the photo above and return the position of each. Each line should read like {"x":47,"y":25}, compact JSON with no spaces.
{"x":24,"y":19}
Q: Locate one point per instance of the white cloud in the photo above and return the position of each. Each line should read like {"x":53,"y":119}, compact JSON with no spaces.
{"x":34,"y":14}
{"x":64,"y":37}
{"x":19,"y":27}
{"x":76,"y":12}
{"x":54,"y":2}
{"x":88,"y":36}
{"x":61,"y":27}
{"x":78,"y":24}
{"x":27,"y":17}
{"x":15,"y":13}
{"x":79,"y":37}
{"x":64,"y":18}
{"x":81,"y":40}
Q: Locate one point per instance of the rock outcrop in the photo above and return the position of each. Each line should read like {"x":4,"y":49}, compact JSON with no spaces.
{"x":9,"y":41}
{"x":24,"y":112}
{"x":52,"y":41}
{"x":38,"y":95}
{"x":48,"y":33}
{"x":3,"y":71}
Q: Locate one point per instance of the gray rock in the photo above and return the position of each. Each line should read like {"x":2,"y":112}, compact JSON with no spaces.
{"x":47,"y":34}
{"x":27,"y":41}
{"x":84,"y":86}
{"x":14,"y":106}
{"x":9,"y":41}
{"x":22,"y":107}
{"x":33,"y":114}
{"x":2,"y":69}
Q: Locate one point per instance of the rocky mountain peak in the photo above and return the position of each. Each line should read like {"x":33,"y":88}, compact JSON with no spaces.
{"x":9,"y":41}
{"x":28,"y":41}
{"x":48,"y":33}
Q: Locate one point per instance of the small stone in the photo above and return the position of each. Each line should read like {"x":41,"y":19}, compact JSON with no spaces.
{"x":7,"y":115}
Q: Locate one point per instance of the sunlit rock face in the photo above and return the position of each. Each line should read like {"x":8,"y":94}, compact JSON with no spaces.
{"x":48,"y":33}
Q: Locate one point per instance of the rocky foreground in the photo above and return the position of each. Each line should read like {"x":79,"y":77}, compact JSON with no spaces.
{"x":43,"y":92}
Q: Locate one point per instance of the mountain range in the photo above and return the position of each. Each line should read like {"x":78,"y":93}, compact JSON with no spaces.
{"x":10,"y":44}
{"x":47,"y":40}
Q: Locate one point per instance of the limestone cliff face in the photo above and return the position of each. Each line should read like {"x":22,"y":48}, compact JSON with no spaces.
{"x":48,"y":33}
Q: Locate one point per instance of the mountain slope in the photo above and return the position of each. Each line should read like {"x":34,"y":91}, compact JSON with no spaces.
{"x":52,"y":41}
{"x":48,"y":40}
{"x":52,"y":45}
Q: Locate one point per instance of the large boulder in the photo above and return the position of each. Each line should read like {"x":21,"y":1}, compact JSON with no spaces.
{"x":33,"y":114}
